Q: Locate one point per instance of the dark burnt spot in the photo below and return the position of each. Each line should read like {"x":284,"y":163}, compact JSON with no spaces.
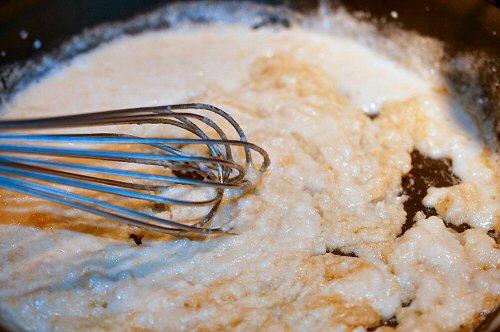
{"x":426,"y":172}
{"x":272,"y":20}
{"x":339,"y":252}
{"x":407,"y":303}
{"x":159,"y":207}
{"x":188,"y":175}
{"x":137,"y":238}
{"x":488,"y":318}
{"x":459,"y":229}
{"x":495,"y":235}
{"x":392,"y":322}
{"x":372,"y":116}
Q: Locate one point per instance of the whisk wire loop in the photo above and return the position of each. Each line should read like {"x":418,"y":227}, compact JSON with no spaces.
{"x":53,"y":166}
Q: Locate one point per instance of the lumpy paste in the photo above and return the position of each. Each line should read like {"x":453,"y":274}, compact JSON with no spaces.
{"x":318,"y":245}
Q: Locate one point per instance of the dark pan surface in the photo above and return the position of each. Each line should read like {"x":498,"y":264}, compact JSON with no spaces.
{"x":465,"y":23}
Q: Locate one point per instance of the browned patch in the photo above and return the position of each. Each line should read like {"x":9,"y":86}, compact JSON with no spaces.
{"x":42,"y":219}
{"x":481,"y":320}
{"x":442,"y":90}
{"x":339,"y":268}
{"x":284,"y":72}
{"x":352,"y":315}
{"x":16,"y":209}
{"x":360,"y":316}
{"x":192,"y":304}
{"x":491,"y":160}
{"x":235,"y":322}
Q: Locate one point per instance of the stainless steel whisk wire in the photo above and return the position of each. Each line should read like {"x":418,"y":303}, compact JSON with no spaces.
{"x":217,"y":170}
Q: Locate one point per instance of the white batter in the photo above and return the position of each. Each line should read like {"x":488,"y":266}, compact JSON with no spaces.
{"x":334,"y":183}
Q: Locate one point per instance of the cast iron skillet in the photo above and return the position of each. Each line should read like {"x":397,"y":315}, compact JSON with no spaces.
{"x":30,"y":28}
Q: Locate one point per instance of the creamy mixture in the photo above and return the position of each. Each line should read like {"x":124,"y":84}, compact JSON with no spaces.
{"x":334,"y":187}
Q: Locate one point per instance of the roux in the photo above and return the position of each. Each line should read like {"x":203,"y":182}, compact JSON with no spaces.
{"x":334,"y":187}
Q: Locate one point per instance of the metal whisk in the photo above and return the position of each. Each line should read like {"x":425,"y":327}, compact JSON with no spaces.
{"x":51,"y":166}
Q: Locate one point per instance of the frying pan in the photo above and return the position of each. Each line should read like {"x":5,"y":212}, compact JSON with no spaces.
{"x":30,"y":29}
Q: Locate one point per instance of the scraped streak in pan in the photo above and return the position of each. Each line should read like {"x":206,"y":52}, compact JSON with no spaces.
{"x":425,"y":173}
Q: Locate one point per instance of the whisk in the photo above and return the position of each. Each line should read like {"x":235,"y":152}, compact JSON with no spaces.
{"x":52,"y":166}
